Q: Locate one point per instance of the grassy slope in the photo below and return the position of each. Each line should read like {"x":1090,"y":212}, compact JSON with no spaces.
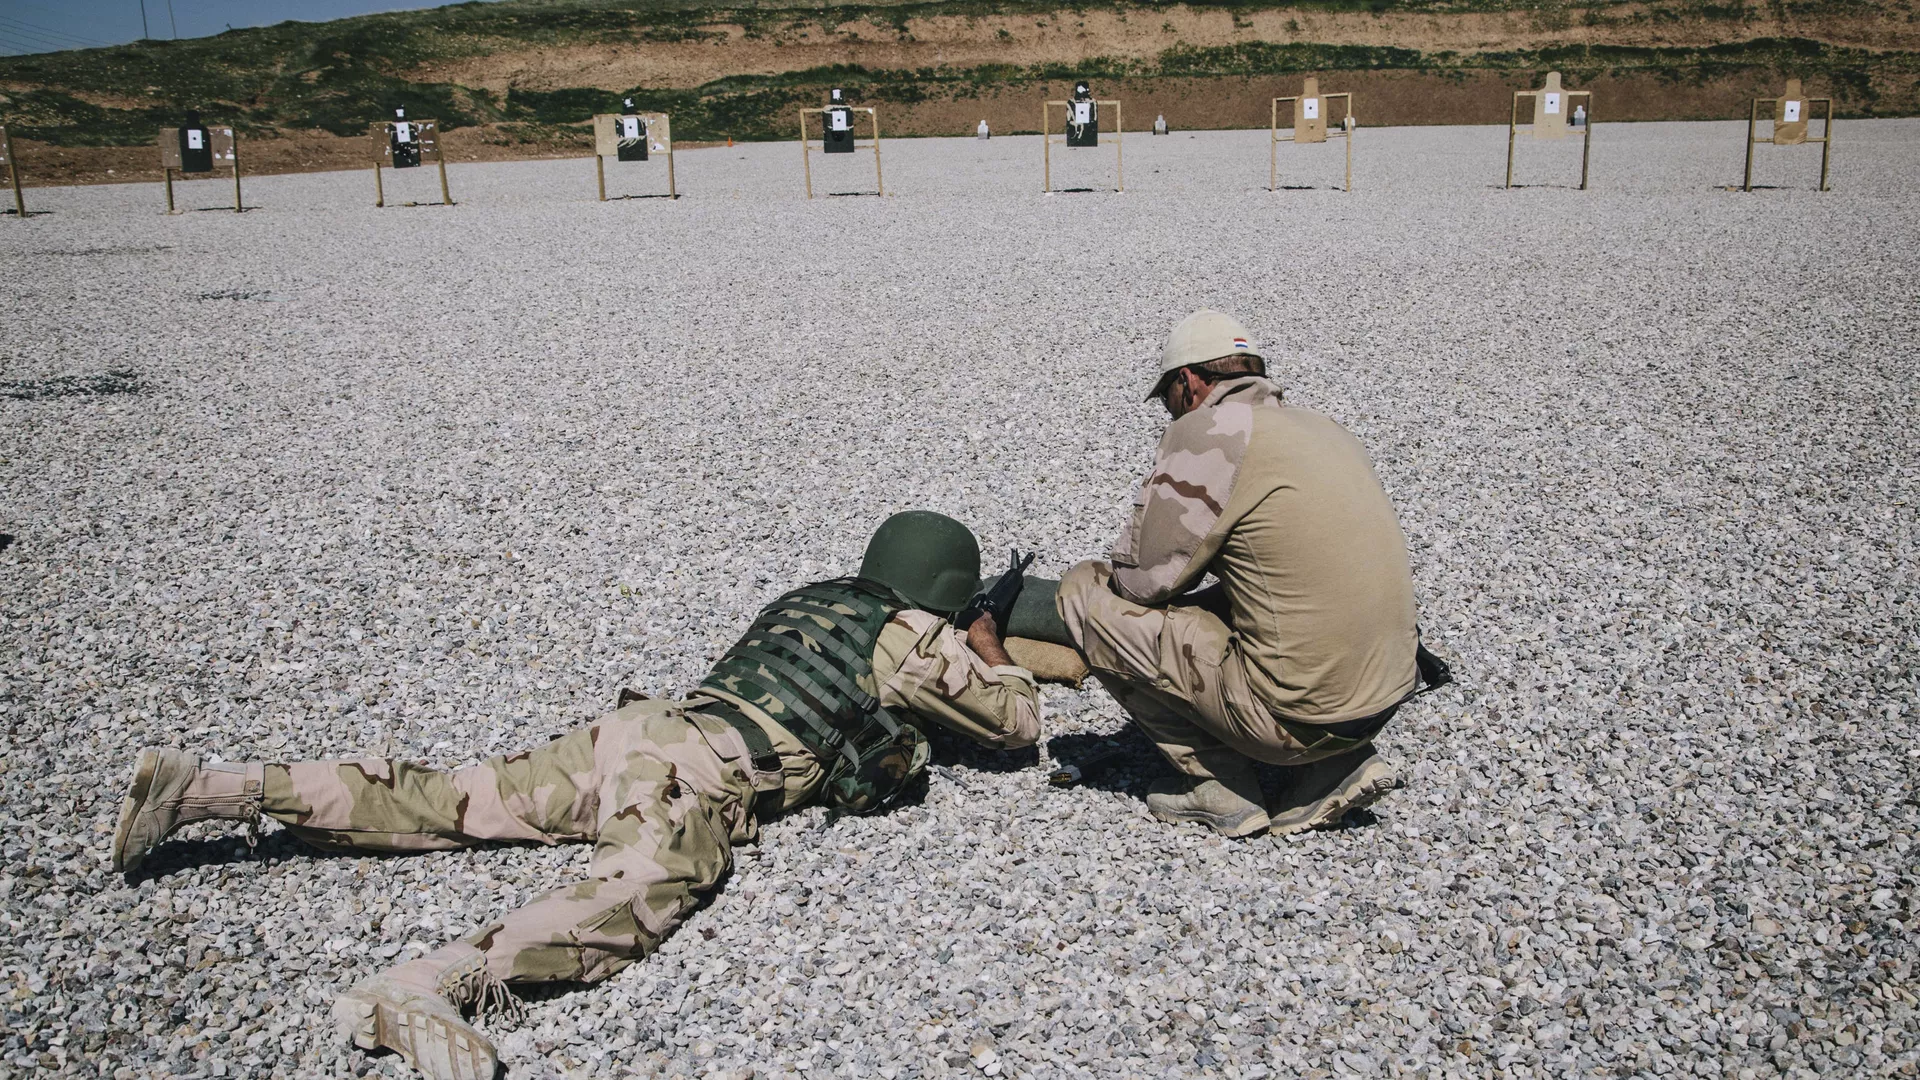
{"x":338,"y":76}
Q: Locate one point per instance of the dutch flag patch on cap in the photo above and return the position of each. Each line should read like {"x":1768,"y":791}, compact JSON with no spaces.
{"x":1241,"y":343}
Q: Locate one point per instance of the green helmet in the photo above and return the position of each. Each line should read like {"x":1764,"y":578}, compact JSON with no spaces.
{"x":928,"y":558}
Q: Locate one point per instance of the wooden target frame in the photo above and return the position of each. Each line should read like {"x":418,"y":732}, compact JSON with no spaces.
{"x":1309,"y":128}
{"x":606,"y":144}
{"x":428,"y":136}
{"x":225,"y":147}
{"x":806,"y":160}
{"x":1789,"y":130}
{"x":12,"y":163}
{"x":1539,"y":122}
{"x":1046,"y":142}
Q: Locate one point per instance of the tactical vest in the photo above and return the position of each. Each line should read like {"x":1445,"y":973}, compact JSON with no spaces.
{"x":802,"y":662}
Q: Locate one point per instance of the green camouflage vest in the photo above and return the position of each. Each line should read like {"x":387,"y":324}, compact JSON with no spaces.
{"x":807,"y":662}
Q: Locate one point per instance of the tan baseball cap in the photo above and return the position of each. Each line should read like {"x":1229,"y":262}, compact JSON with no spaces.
{"x":1202,"y":336}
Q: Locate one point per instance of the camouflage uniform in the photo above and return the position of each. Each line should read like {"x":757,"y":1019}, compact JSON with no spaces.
{"x":1314,"y":624}
{"x":659,"y":788}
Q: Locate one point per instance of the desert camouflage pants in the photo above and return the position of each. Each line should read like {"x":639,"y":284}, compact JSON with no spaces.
{"x":661,"y":793}
{"x":1177,"y":673}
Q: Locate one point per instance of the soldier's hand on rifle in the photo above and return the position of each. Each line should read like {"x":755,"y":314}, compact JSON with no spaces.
{"x":983,"y":616}
{"x":983,"y":637}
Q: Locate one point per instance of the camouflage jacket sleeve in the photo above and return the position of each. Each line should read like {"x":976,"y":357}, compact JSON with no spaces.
{"x":925,"y":667}
{"x":1176,"y":528}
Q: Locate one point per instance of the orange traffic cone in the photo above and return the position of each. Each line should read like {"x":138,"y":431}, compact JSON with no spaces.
{"x":729,"y":140}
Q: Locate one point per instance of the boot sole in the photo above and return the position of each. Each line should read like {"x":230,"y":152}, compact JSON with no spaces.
{"x":1357,"y":792}
{"x":1250,"y":825}
{"x":137,"y":790}
{"x":433,"y":1047}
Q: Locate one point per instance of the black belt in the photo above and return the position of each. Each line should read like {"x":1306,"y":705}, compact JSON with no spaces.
{"x":759,"y":747}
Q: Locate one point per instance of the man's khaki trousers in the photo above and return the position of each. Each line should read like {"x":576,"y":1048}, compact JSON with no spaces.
{"x":1179,"y":673}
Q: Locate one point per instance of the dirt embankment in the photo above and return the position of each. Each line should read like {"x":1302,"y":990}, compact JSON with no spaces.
{"x":1069,"y":37}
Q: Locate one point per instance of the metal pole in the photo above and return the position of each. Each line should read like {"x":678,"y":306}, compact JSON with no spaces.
{"x":169,"y":173}
{"x":1586,"y":144}
{"x":1273,"y":146}
{"x":1513,"y":120}
{"x":805,"y":164}
{"x":1119,"y":154}
{"x":1046,"y":152}
{"x":1753,"y":118}
{"x":1350,"y":132}
{"x":879,"y":181}
{"x":1826,"y":146}
{"x":600,"y":172}
{"x":379,"y":193}
{"x":440,"y":153}
{"x":237,"y":206}
{"x":671,"y":193}
{"x":13,"y":175}
{"x":145,"y":34}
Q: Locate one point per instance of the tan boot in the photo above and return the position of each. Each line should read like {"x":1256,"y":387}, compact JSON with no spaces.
{"x":1231,"y":806}
{"x":1319,"y":794}
{"x":171,"y":788}
{"x":417,"y":1010}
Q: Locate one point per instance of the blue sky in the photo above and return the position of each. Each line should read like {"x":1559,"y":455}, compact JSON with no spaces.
{"x":29,"y":26}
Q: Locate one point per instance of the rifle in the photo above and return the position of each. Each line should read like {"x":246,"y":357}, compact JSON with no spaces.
{"x":997,"y":599}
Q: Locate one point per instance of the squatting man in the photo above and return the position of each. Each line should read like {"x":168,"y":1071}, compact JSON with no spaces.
{"x":1298,"y":657}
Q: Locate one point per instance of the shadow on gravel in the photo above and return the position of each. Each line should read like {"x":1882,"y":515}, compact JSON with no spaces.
{"x":1126,"y":762}
{"x":173,"y":856}
{"x":65,"y":386}
{"x":1123,"y":761}
{"x":950,"y":749}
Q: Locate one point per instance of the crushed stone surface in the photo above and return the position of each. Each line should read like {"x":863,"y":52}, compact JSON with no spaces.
{"x":437,"y":482}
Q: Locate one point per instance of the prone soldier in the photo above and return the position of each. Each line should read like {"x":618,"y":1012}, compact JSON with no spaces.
{"x":824,"y":697}
{"x":1307,"y":645}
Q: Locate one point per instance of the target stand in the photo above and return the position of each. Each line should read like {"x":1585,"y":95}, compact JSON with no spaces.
{"x":629,"y":137}
{"x":1091,"y":126}
{"x":839,"y":140}
{"x":1310,"y":110}
{"x":12,"y":164}
{"x":1552,"y":119}
{"x":1792,"y":113}
{"x":405,"y":144}
{"x":197,"y":150}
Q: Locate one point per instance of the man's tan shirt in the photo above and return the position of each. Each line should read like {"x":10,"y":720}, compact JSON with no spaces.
{"x":1282,"y":505}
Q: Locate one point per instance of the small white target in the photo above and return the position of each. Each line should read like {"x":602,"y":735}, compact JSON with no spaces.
{"x":1790,"y":114}
{"x":403,"y":131}
{"x":839,"y":119}
{"x":1553,"y":104}
{"x":196,"y":139}
{"x":1083,"y":112}
{"x":1310,"y":108}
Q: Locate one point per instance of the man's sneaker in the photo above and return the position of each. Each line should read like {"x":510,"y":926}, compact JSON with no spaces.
{"x":1321,"y":793}
{"x":417,"y":1011}
{"x":171,"y":788}
{"x":1209,"y":802}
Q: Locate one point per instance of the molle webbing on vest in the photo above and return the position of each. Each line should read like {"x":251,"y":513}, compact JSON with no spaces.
{"x":801,"y":661}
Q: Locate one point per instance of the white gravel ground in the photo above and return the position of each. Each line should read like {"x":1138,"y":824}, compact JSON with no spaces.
{"x":438,"y":482}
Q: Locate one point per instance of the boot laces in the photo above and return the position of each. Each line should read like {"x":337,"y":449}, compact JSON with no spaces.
{"x":471,"y":987}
